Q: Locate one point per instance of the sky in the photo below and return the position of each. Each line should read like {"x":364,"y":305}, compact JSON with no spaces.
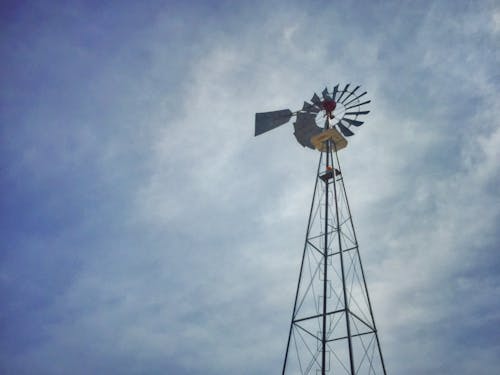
{"x":145,"y":230}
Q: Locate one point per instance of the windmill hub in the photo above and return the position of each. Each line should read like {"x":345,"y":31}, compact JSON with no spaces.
{"x":329,"y":106}
{"x":334,"y":115}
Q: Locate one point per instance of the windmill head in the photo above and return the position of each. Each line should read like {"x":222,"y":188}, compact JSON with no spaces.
{"x":329,"y":117}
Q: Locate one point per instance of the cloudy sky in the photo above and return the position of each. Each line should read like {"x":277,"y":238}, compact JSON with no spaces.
{"x":144,"y":230}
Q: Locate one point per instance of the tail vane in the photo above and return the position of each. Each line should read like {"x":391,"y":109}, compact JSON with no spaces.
{"x":266,"y":121}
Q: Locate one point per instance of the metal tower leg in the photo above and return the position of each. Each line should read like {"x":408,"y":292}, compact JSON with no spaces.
{"x":332,"y":289}
{"x":325,"y":269}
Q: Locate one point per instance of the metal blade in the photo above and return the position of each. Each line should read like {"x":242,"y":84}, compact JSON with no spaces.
{"x":345,"y":130}
{"x":348,"y":96}
{"x":343,"y":92}
{"x":305,"y":128}
{"x":357,"y":113}
{"x":269,"y":120}
{"x":350,"y":101}
{"x":308,"y":107}
{"x":359,"y":104}
{"x":325,"y":94}
{"x":353,"y":122}
{"x":335,"y":91}
{"x":317,"y":101}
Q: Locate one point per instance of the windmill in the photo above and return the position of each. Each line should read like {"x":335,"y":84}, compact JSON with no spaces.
{"x":332,"y":330}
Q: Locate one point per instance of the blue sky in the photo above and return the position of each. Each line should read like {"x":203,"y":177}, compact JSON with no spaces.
{"x":145,"y":230}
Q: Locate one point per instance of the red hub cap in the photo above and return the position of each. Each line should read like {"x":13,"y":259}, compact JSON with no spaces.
{"x":329,"y":106}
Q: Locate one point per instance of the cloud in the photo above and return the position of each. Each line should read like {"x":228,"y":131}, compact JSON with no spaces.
{"x":149,"y":231}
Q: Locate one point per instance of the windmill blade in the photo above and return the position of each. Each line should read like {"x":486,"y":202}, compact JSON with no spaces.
{"x":308,"y":107}
{"x":335,"y":91}
{"x":345,"y":130}
{"x":352,"y":122}
{"x":317,"y":101}
{"x":357,"y":113}
{"x":359,"y":104}
{"x":352,"y":92}
{"x":350,"y":101}
{"x":305,"y":128}
{"x":343,"y":92}
{"x":266,"y":121}
{"x":325,"y":94}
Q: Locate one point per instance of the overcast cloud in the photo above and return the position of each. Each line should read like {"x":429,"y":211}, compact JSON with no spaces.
{"x":146,"y":231}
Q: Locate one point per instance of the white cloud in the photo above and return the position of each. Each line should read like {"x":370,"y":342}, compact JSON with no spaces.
{"x":205,"y":272}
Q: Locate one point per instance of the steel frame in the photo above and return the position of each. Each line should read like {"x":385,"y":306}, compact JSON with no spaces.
{"x":331,"y":263}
